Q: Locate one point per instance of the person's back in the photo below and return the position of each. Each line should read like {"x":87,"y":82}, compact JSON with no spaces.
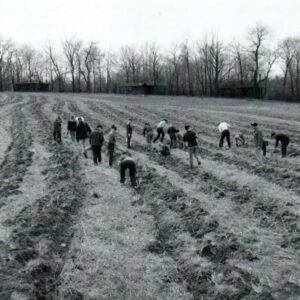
{"x":191,"y":138}
{"x":127,"y":162}
{"x":57,"y":125}
{"x":162,"y":124}
{"x":96,"y":138}
{"x":72,"y":124}
{"x":281,"y":137}
{"x":284,"y":139}
{"x":172,"y":130}
{"x":128,"y":128}
{"x":81,"y":131}
{"x":111,"y":137}
{"x":223,"y":126}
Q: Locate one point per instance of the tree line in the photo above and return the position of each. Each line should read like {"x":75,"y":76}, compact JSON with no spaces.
{"x":196,"y":69}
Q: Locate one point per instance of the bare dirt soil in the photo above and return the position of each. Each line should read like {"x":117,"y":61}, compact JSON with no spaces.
{"x":228,"y":229}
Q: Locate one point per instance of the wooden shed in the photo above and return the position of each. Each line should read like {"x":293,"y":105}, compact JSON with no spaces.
{"x":143,"y":88}
{"x":33,"y":86}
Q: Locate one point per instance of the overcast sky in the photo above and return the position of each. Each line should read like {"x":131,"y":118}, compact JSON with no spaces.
{"x":118,"y":22}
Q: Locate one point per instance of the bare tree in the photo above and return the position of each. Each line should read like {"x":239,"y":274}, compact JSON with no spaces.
{"x":89,"y":56}
{"x":258,"y":54}
{"x":56,"y":66}
{"x":71,"y":49}
{"x":6,"y":53}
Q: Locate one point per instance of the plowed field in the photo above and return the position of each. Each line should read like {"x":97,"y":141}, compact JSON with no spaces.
{"x":228,"y":229}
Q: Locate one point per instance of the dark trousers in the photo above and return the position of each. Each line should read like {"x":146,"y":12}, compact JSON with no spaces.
{"x":224,"y":134}
{"x":96,"y":154}
{"x":160,"y":134}
{"x":111,"y":148}
{"x":283,"y":148}
{"x":73,"y":135}
{"x":173,"y":140}
{"x":264,"y":147}
{"x":132,"y":171}
{"x":128,"y":140}
{"x":57,"y":136}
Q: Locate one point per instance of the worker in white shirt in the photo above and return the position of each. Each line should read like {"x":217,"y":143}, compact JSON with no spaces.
{"x":224,"y":130}
{"x":161,"y":126}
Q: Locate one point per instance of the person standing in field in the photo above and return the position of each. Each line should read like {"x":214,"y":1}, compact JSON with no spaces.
{"x":96,"y":141}
{"x":283,"y":139}
{"x":148,"y":133}
{"x":83,"y":131}
{"x":190,"y":138}
{"x":71,"y":128}
{"x":128,"y":133}
{"x":111,"y":142}
{"x":259,"y":143}
{"x":127,"y":162}
{"x":161,"y":130}
{"x":172,"y":131}
{"x":223,"y":128}
{"x":57,"y":130}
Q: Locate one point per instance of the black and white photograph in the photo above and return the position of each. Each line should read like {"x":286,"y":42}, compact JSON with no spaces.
{"x":149,"y":150}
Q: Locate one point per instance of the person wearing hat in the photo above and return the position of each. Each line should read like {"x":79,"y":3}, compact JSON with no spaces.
{"x":283,"y":139}
{"x":127,"y":162}
{"x":57,"y":130}
{"x":223,"y":128}
{"x":259,"y":142}
{"x":96,"y":141}
{"x":71,"y":128}
{"x":111,"y":142}
{"x":160,"y":129}
{"x":128,"y":133}
{"x":190,"y":138}
{"x":148,"y":133}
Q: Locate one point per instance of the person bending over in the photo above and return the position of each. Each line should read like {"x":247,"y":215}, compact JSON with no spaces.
{"x":160,"y":129}
{"x":224,"y":130}
{"x":283,"y":139}
{"x":127,"y":162}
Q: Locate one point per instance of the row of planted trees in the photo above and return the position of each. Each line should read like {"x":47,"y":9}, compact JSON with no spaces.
{"x":198,"y":68}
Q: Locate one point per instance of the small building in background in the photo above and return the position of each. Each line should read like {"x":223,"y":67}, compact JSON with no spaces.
{"x":33,"y":86}
{"x":143,"y":88}
{"x":237,"y":90}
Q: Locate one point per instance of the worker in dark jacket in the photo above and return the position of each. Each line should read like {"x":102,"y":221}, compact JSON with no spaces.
{"x":71,"y":128}
{"x":283,"y":139}
{"x":111,"y":142}
{"x":172,"y":131}
{"x":83,"y":131}
{"x":96,"y":141}
{"x":128,"y":133}
{"x":57,"y":130}
{"x":126,"y":162}
{"x":190,"y":138}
